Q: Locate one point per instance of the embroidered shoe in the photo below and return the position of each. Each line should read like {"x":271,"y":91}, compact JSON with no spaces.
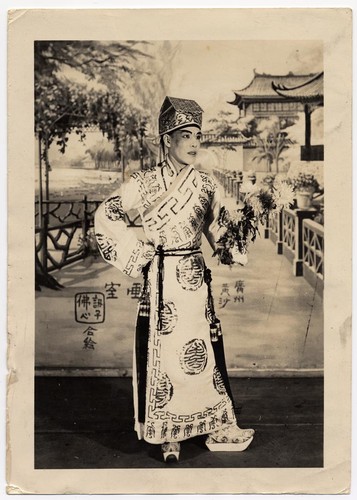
{"x":230,"y":438}
{"x":171,"y":452}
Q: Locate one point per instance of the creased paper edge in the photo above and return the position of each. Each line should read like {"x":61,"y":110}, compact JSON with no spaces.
{"x":15,"y":14}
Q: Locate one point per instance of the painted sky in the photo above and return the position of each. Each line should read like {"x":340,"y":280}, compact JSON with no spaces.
{"x":209,"y":71}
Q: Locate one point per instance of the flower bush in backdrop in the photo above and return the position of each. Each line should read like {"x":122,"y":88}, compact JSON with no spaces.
{"x":304,"y":182}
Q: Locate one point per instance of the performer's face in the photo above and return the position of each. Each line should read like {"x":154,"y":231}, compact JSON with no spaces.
{"x":183,"y":145}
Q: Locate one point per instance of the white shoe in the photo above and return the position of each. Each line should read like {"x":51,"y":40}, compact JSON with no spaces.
{"x":230,"y":438}
{"x":171,"y":452}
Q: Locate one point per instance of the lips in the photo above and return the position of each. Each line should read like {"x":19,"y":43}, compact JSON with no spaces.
{"x":193,"y":153}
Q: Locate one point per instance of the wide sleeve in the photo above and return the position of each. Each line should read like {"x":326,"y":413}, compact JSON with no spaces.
{"x":211,"y":227}
{"x":214,"y":231}
{"x":118,"y":244}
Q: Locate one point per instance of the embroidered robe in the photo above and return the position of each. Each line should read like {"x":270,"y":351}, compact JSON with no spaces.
{"x":180,"y":381}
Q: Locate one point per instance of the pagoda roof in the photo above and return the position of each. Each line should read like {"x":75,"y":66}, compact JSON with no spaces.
{"x":260,"y":88}
{"x":308,"y":91}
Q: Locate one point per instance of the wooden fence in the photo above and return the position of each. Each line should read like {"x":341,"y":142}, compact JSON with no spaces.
{"x":63,"y":231}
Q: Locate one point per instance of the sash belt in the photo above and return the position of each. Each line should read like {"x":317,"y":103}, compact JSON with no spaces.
{"x":162,"y":253}
{"x":215,"y":325}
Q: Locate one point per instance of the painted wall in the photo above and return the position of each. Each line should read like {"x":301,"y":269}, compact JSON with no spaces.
{"x":272,"y":321}
{"x":216,"y":156}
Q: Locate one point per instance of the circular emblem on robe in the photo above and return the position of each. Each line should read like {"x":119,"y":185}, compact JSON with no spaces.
{"x":114,"y":208}
{"x":189,"y":272}
{"x":164,"y":391}
{"x":193,"y":357}
{"x":168,"y":317}
{"x":218,"y":381}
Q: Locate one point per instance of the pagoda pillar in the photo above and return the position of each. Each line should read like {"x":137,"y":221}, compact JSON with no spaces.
{"x":307,"y":126}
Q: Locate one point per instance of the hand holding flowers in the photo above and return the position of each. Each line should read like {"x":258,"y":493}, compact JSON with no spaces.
{"x":241,"y":227}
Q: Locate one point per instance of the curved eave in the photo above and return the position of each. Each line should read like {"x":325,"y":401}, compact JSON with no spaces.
{"x":239,"y":100}
{"x":310,"y":91}
{"x":236,"y":101}
{"x":291,"y":96}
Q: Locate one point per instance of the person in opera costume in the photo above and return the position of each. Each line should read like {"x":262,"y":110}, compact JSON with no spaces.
{"x":180,"y":382}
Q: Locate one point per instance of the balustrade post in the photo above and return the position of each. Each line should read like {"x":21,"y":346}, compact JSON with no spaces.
{"x":239,"y":182}
{"x":292,"y":237}
{"x":234,"y":189}
{"x":275,"y":230}
{"x":299,"y":247}
{"x":225,"y":184}
{"x":313,"y":254}
{"x":266,"y":228}
{"x":279,"y":243}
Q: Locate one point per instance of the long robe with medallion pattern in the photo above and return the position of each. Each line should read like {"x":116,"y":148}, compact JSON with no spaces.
{"x":185,"y":394}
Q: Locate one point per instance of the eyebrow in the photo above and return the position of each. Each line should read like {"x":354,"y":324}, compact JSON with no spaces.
{"x":189,"y":131}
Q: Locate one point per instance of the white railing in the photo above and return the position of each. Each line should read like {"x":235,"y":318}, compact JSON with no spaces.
{"x":313,"y":248}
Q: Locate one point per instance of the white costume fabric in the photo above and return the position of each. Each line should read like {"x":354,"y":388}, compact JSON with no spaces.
{"x":185,"y":392}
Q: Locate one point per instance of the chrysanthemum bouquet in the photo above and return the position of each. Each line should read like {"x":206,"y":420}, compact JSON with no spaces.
{"x":241,"y":227}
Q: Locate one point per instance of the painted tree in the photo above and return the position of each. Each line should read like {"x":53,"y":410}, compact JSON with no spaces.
{"x":105,"y":63}
{"x":271,"y":136}
{"x":103,"y":156}
{"x":224,"y":124}
{"x":78,"y":85}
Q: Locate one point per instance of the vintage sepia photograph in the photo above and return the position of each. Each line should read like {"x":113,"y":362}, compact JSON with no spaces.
{"x":179,"y":204}
{"x":180,"y":195}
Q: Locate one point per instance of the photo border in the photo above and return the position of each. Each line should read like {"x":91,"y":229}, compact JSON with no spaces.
{"x":333,"y":26}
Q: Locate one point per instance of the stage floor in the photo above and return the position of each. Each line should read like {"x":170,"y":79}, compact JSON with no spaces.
{"x":87,"y":422}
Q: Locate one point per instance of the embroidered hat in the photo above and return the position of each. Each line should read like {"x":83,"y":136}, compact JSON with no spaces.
{"x":176,"y":113}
